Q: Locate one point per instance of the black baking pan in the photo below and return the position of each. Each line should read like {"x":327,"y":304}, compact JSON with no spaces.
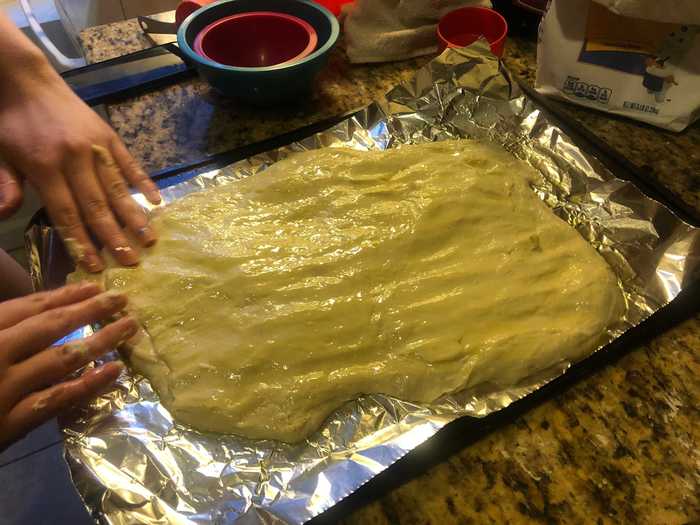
{"x":464,"y":431}
{"x":129,"y":75}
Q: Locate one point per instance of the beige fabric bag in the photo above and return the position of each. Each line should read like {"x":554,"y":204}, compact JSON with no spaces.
{"x":387,"y":30}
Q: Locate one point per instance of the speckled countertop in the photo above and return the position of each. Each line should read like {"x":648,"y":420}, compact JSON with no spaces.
{"x":620,"y":446}
{"x":181,"y":123}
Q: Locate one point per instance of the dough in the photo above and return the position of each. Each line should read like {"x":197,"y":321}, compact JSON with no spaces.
{"x":415,"y":272}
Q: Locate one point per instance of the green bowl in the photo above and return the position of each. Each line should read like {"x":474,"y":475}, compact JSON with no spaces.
{"x":262,"y":86}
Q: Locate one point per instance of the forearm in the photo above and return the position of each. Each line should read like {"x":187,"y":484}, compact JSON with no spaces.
{"x":22,"y":64}
{"x":49,"y":138}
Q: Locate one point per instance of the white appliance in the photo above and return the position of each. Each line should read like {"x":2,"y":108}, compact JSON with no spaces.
{"x":76,"y":15}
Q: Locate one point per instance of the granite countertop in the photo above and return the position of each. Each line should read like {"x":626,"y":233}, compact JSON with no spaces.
{"x":182,"y":123}
{"x":621,"y":445}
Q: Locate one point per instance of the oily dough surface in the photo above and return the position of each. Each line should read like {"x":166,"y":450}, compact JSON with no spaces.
{"x":271,"y":301}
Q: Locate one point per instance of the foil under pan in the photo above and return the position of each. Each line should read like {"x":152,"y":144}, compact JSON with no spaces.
{"x":132,"y":464}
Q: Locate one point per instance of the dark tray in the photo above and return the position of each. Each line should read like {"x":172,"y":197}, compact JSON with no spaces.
{"x":465,"y":431}
{"x":129,"y":75}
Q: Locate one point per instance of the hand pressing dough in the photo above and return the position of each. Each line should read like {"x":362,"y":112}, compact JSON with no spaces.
{"x":414,"y":272}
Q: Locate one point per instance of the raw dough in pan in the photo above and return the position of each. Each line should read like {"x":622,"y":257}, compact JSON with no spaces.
{"x":415,"y":272}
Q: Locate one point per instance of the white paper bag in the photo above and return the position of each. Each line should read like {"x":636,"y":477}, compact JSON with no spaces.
{"x":637,"y":66}
{"x":672,"y":11}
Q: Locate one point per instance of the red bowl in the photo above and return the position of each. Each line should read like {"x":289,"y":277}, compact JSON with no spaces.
{"x":256,"y":39}
{"x":334,"y":6}
{"x":464,"y":26}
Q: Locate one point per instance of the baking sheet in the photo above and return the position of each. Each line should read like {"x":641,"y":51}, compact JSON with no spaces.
{"x":132,"y":464}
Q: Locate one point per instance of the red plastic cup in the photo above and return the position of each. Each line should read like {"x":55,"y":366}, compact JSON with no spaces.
{"x":464,"y":26}
{"x":256,"y":39}
{"x":187,"y":7}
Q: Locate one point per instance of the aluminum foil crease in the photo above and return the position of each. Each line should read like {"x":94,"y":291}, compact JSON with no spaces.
{"x":132,"y":464}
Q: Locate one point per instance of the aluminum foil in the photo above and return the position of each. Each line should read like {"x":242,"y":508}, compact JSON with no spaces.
{"x":133,"y":464}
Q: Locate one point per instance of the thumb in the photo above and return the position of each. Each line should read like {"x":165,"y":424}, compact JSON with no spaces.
{"x":10,"y":191}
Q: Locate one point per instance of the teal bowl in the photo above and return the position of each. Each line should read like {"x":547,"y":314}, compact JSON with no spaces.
{"x":261,"y":86}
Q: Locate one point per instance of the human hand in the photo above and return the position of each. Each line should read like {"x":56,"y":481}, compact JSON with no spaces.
{"x":78,"y":165}
{"x":33,"y":376}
